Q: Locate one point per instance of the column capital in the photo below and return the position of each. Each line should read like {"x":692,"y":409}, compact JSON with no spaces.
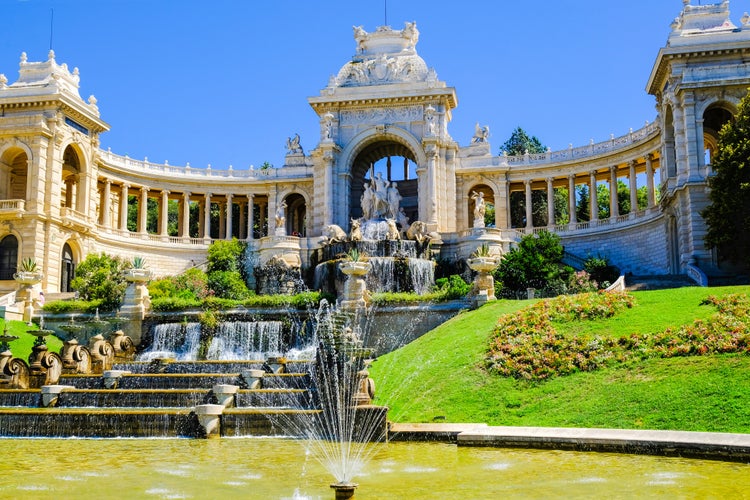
{"x":165,"y":191}
{"x":144,"y":189}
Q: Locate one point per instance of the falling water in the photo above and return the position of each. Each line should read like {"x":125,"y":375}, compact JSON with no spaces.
{"x":247,"y":340}
{"x":174,"y":340}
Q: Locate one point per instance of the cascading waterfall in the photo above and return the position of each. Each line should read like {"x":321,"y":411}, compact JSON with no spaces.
{"x":174,"y":340}
{"x":247,"y":340}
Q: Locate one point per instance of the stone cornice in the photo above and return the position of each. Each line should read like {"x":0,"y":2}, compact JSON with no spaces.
{"x":321,"y":104}
{"x":68,"y":106}
{"x":667,"y":55}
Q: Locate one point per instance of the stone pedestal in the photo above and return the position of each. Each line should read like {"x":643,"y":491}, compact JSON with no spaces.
{"x":137,"y":299}
{"x":483,"y":289}
{"x":209,"y":417}
{"x":355,"y":288}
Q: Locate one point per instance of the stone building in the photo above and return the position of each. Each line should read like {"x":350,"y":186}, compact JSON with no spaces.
{"x":384,"y":116}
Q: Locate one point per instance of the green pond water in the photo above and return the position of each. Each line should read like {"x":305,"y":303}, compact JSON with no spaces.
{"x":277,"y":468}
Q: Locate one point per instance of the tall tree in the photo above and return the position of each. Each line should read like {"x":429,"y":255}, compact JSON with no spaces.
{"x":520,"y":142}
{"x":728,"y":215}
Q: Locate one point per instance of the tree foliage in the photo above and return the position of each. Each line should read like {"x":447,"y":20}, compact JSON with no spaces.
{"x":532,"y":264}
{"x":101,"y":277}
{"x":728,"y":215}
{"x":520,"y":142}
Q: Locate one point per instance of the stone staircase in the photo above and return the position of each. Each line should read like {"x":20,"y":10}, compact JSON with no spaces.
{"x":164,"y":398}
{"x":661,"y":282}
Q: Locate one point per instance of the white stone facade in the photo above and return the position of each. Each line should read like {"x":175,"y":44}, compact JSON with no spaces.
{"x":62,"y":197}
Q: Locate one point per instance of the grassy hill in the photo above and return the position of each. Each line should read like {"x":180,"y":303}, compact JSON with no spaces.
{"x":441,"y":377}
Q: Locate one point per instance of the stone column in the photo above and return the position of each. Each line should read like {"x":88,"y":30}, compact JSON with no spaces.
{"x":164,"y":213}
{"x":69,"y":187}
{"x":185,"y":227}
{"x":207,"y":217}
{"x":572,"y":198}
{"x":550,"y":203}
{"x":432,"y":181}
{"x":242,"y":223}
{"x":633,"y":188}
{"x":328,"y":207}
{"x":228,"y":233}
{"x":222,"y":220}
{"x":105,"y":205}
{"x":593,"y":202}
{"x":650,"y":181}
{"x":124,"y":207}
{"x":529,"y":207}
{"x":263,"y":206}
{"x":143,"y":211}
{"x":613,"y":208}
{"x":250,"y":216}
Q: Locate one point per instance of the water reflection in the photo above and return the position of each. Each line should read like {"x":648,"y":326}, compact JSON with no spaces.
{"x":277,"y":468}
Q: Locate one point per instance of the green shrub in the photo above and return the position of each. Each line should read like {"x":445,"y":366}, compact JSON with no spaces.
{"x":194,"y":281}
{"x":601,"y":271}
{"x":219,"y":303}
{"x":174,"y":303}
{"x":226,"y":255}
{"x":228,"y":285}
{"x":452,"y":287}
{"x":532,"y":264}
{"x":100,"y":277}
{"x":66,"y":306}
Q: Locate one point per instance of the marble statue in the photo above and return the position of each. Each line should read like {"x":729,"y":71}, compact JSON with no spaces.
{"x":293,"y":146}
{"x":333,"y":234}
{"x":481,"y":134}
{"x":394,"y":201}
{"x":281,"y":219}
{"x":479,"y":208}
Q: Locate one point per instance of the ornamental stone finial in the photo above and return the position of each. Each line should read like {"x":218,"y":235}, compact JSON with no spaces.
{"x":92,"y":100}
{"x":23,"y":58}
{"x":51,"y":55}
{"x":745,"y":19}
{"x":3,"y":81}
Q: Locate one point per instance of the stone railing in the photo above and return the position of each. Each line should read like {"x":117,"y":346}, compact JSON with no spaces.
{"x":8,"y":299}
{"x":110,"y":233}
{"x":12,"y":205}
{"x":696,"y":274}
{"x":140,"y":166}
{"x":619,"y":221}
{"x":593,"y":149}
{"x":12,"y":208}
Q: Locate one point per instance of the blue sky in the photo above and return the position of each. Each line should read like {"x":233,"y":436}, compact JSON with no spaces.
{"x":226,"y":82}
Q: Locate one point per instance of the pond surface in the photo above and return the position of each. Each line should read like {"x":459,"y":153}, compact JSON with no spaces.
{"x":275,"y":468}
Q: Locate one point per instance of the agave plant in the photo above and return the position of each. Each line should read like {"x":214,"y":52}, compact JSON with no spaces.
{"x":355,"y":255}
{"x":28,"y":265}
{"x":138,"y":263}
{"x":482,"y":251}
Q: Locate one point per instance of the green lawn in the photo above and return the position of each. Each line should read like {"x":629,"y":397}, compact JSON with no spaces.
{"x":21,"y":348}
{"x":440,"y":376}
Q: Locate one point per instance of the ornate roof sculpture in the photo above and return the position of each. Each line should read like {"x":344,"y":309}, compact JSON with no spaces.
{"x":704,"y":23}
{"x":384,"y":56}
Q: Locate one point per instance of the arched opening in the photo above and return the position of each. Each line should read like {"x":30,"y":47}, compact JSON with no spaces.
{"x":714,"y":118}
{"x":488,"y":212}
{"x":13,"y":174}
{"x":8,"y":257}
{"x":70,"y":179}
{"x":67,"y":269}
{"x":296,"y":215}
{"x":389,"y":163}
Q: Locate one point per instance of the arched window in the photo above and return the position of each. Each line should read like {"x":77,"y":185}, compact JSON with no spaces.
{"x":8,"y":257}
{"x":67,"y":269}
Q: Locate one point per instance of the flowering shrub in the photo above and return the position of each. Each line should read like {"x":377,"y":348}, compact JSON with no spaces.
{"x":526,"y":345}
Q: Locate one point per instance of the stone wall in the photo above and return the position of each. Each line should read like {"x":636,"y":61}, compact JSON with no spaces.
{"x":641,"y":249}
